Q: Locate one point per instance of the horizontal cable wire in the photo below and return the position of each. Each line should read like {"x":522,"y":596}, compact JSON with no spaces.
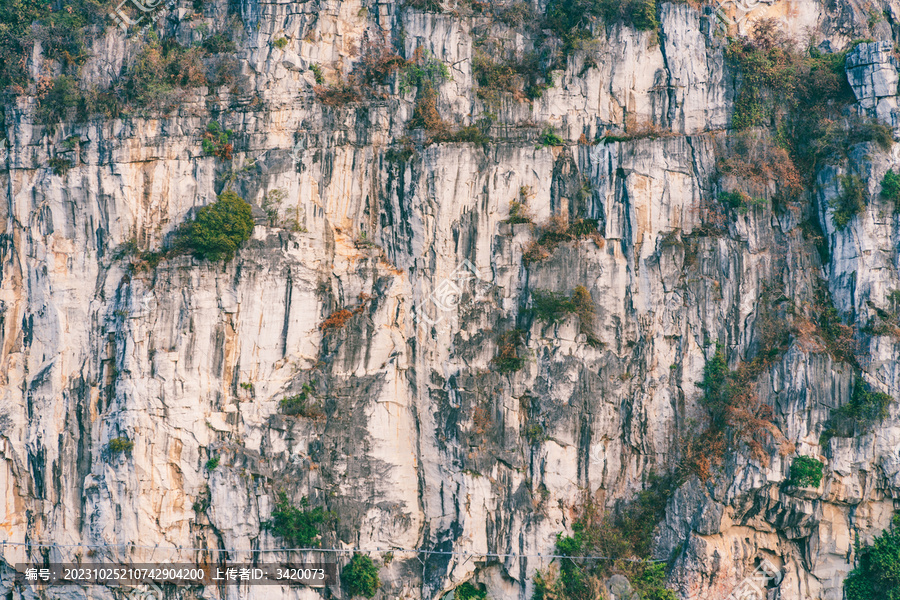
{"x":334,"y":550}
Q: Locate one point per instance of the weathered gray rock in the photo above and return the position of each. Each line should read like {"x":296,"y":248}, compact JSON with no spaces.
{"x":619,"y":588}
{"x":872,"y":72}
{"x":422,"y":443}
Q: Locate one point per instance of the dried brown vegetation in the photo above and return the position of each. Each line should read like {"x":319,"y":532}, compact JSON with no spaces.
{"x":558,"y":230}
{"x":337,"y":319}
{"x":757,"y":166}
{"x":737,"y":416}
{"x":508,"y":349}
{"x":337,"y":95}
{"x":377,"y":64}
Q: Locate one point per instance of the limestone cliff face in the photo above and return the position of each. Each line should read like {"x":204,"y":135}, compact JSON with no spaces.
{"x":422,"y":442}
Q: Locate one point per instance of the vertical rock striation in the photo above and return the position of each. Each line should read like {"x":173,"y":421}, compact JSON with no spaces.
{"x":417,"y":439}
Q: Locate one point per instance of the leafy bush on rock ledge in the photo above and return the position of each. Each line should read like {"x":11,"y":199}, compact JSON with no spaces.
{"x":360,"y":576}
{"x":806,"y":472}
{"x":468,"y":591}
{"x":120,"y":444}
{"x":298,"y":525}
{"x":859,"y":416}
{"x":877,"y":572}
{"x":219,"y":228}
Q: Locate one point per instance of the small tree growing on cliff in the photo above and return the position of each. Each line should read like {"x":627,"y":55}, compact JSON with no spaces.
{"x":360,"y":577}
{"x":877,"y":571}
{"x":119,"y":445}
{"x":219,"y":229}
{"x":806,"y":471}
{"x":298,"y":526}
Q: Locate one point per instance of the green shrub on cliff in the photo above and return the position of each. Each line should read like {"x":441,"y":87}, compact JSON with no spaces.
{"x":865,"y":409}
{"x":297,"y":525}
{"x":718,"y":388}
{"x":159,"y":70}
{"x":570,"y":19}
{"x":801,"y":95}
{"x":217,"y":142}
{"x":626,"y":534}
{"x":890,"y":186}
{"x":360,"y":576}
{"x":806,"y":472}
{"x":119,"y":445}
{"x":550,"y":138}
{"x":555,"y":308}
{"x":64,"y":94}
{"x":522,"y":77}
{"x":508,"y":359}
{"x":302,"y":404}
{"x":59,"y":29}
{"x":468,"y":591}
{"x":318,"y":74}
{"x":877,"y":572}
{"x":518,"y":213}
{"x":551,"y":307}
{"x":219,"y":229}
{"x":777,"y":79}
{"x":737,"y":416}
{"x":851,"y":201}
{"x":422,"y":71}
